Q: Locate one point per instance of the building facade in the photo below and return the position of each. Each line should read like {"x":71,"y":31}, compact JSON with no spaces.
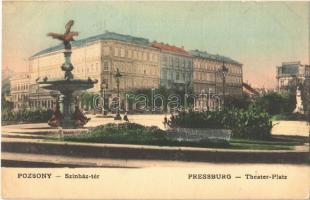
{"x":141,"y":63}
{"x":207,"y":77}
{"x":290,"y":74}
{"x":19,"y":88}
{"x":176,"y":66}
{"x":99,"y":57}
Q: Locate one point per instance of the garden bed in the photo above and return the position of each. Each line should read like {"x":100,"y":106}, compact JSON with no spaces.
{"x":130,"y":133}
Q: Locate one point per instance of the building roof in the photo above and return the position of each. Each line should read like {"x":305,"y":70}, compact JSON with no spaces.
{"x":249,"y":90}
{"x":170,"y":48}
{"x":105,"y":36}
{"x":206,"y":55}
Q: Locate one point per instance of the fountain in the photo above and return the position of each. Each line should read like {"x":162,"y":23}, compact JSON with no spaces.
{"x":67,"y":86}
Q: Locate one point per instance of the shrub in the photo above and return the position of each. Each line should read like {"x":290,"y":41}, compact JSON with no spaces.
{"x":275,"y":103}
{"x":27,"y":116}
{"x":131,"y":133}
{"x":249,"y":123}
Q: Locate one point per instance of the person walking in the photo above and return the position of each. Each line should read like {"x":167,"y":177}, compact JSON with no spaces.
{"x":126,"y":117}
{"x":165,"y":122}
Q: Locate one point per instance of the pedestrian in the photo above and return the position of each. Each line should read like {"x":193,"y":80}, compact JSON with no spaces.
{"x":126,"y":117}
{"x":165,"y":122}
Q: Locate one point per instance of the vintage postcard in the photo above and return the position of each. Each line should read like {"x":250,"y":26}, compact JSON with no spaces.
{"x":155,"y":100}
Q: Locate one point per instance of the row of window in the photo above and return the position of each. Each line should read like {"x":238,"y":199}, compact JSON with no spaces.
{"x":129,"y":53}
{"x":175,"y":75}
{"x":176,"y":61}
{"x":217,"y":66}
{"x":137,"y":83}
{"x":20,"y":86}
{"x":211,"y":77}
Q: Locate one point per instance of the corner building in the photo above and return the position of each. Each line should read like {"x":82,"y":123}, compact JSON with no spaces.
{"x":99,"y":57}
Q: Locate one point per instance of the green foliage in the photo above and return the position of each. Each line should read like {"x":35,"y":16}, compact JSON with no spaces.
{"x":289,"y":116}
{"x":305,"y":96}
{"x":276,"y":103}
{"x":131,"y":133}
{"x":27,"y":116}
{"x":243,"y":101}
{"x":6,"y":106}
{"x":122,"y":133}
{"x":250,"y":123}
{"x":86,"y":99}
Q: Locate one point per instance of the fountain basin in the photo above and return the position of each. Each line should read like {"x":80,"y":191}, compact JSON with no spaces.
{"x":67,"y":86}
{"x":67,"y":100}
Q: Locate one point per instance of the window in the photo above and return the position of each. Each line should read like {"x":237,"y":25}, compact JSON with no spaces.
{"x":164,"y":74}
{"x":106,"y":65}
{"x":105,"y":51}
{"x":115,"y":51}
{"x":165,"y":59}
{"x":122,"y":52}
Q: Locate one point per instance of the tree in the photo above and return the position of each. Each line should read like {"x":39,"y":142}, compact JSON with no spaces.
{"x":276,"y":103}
{"x":305,"y":96}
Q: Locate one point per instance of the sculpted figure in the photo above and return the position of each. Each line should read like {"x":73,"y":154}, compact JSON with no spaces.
{"x":79,"y":118}
{"x":67,"y":36}
{"x":56,"y":117}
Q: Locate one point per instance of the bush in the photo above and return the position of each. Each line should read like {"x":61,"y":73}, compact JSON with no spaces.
{"x":241,"y":102}
{"x":250,"y":123}
{"x":275,"y":103}
{"x":129,"y":133}
{"x":27,"y":116}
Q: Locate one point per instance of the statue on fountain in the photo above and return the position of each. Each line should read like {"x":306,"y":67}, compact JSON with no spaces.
{"x":66,"y":38}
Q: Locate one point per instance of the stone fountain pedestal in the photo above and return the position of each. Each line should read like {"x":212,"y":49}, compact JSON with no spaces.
{"x":67,"y":87}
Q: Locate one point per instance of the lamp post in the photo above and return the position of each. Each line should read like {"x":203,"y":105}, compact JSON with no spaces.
{"x":104,"y":87}
{"x":117,"y":77}
{"x":38,"y":98}
{"x":223,"y":71}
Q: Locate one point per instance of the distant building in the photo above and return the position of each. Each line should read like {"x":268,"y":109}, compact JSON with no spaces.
{"x":7,"y":73}
{"x":289,"y":75}
{"x":20,"y":91}
{"x":206,"y":74}
{"x":176,"y":66}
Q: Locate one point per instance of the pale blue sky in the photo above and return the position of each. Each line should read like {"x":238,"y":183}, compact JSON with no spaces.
{"x":259,"y":35}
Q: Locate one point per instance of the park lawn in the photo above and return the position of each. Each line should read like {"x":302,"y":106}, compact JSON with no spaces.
{"x":288,"y":117}
{"x":274,"y":143}
{"x":242,"y":144}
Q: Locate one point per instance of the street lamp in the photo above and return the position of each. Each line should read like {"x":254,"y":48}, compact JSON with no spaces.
{"x":117,"y":77}
{"x":104,"y":87}
{"x":223,"y":71}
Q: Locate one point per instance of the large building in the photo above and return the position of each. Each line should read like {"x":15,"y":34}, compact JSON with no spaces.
{"x":289,"y":74}
{"x":207,"y":77}
{"x":141,"y":63}
{"x":176,"y":66}
{"x":99,"y":57}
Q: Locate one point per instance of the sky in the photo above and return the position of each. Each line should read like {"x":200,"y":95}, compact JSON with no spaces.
{"x":261,"y":35}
